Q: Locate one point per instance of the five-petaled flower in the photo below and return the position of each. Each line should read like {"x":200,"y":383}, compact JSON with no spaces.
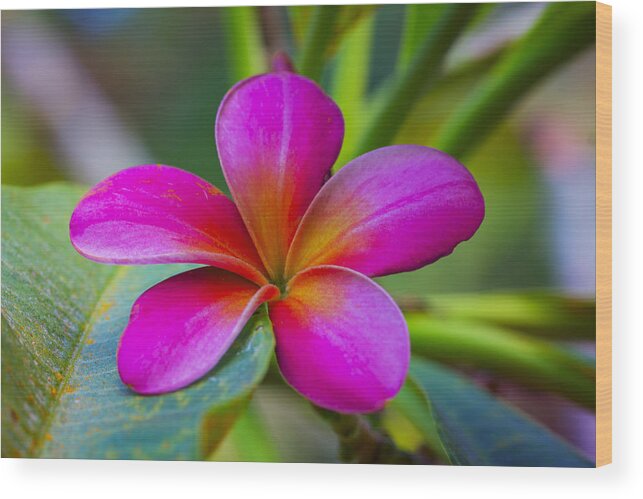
{"x":306,"y":246}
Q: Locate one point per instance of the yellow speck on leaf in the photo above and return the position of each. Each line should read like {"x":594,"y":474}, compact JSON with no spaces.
{"x":104,"y":308}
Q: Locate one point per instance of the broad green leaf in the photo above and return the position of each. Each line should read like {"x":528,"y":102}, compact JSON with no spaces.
{"x":62,"y":319}
{"x":244,"y":42}
{"x":511,"y":355}
{"x":478,"y":429}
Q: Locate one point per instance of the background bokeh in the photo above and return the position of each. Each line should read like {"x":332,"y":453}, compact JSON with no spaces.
{"x":86,"y":93}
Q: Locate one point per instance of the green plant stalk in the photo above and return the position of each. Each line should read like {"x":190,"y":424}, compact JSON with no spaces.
{"x":539,"y":314}
{"x":419,"y":19}
{"x":563,"y":30}
{"x":359,"y":443}
{"x":319,"y":36}
{"x":350,"y":82}
{"x":528,"y":361}
{"x":423,"y":70}
{"x":298,"y":19}
{"x":485,"y":10}
{"x":247,"y":54}
{"x":470,"y":69}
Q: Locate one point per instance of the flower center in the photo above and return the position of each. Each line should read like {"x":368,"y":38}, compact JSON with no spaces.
{"x":282,"y":283}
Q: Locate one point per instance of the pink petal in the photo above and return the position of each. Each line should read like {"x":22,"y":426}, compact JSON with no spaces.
{"x":161,"y":214}
{"x":342,"y":342}
{"x":277,"y":136}
{"x":392,"y":210}
{"x":180,"y":328}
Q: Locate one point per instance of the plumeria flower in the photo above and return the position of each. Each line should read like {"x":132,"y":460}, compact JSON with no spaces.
{"x":306,"y":245}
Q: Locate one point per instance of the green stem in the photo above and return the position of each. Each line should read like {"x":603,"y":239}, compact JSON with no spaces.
{"x":529,"y":361}
{"x":350,"y":83}
{"x":539,"y":314}
{"x":360,"y":443}
{"x":563,"y":31}
{"x":318,"y":38}
{"x":418,"y":22}
{"x":423,"y":70}
{"x":246,"y":49}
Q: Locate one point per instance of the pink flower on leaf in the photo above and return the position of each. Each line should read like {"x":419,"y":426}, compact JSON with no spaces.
{"x":307,"y":247}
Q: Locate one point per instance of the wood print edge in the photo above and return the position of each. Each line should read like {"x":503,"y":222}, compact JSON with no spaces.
{"x":603,"y":234}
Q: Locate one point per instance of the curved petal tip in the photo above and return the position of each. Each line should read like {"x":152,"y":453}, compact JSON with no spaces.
{"x":180,"y":328}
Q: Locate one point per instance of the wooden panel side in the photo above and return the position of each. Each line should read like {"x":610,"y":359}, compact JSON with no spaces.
{"x":603,"y":234}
